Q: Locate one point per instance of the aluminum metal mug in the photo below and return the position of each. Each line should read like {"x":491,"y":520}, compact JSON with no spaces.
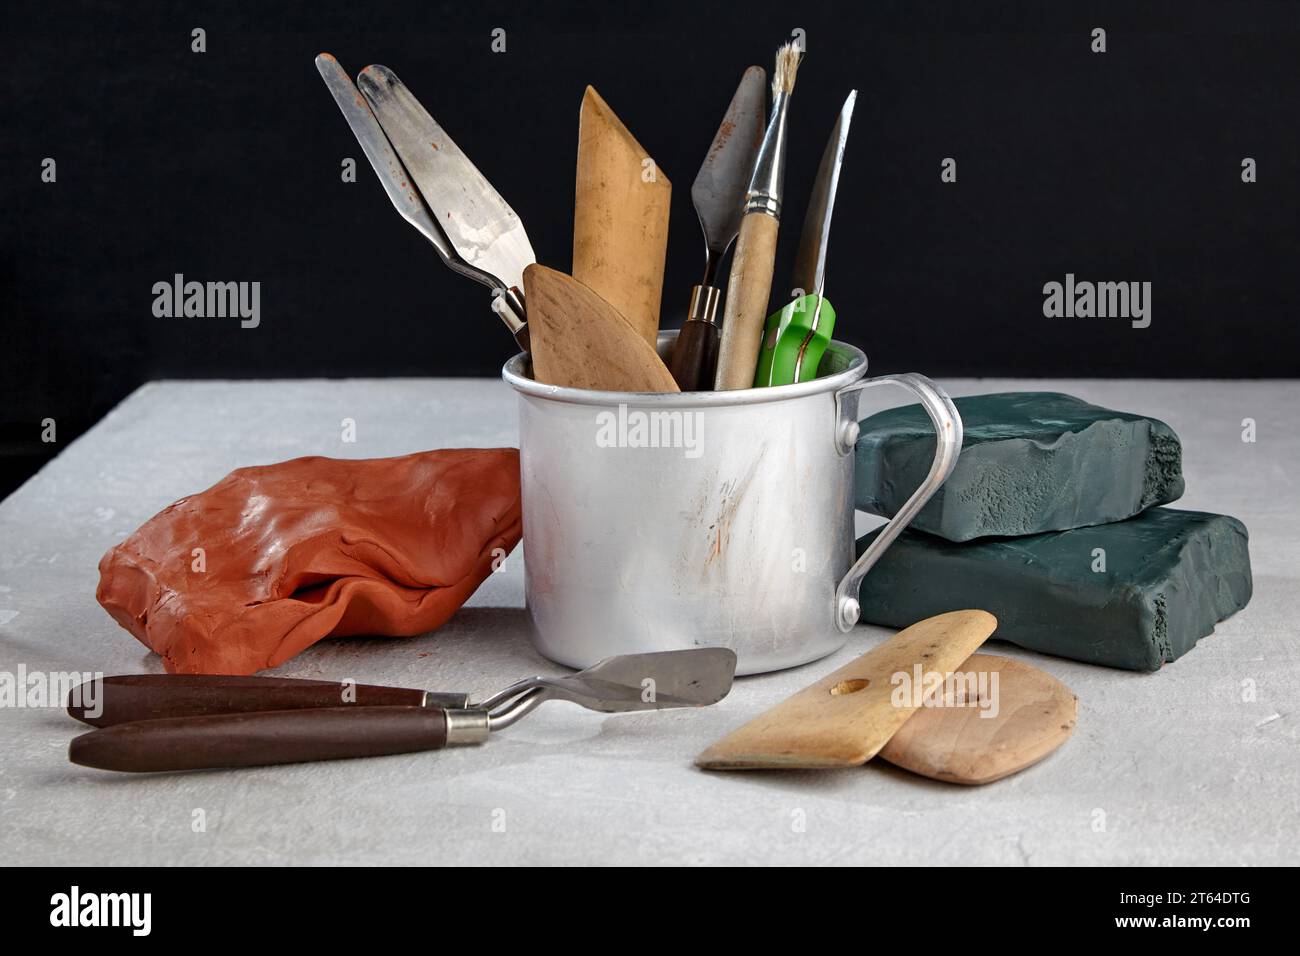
{"x":667,"y":521}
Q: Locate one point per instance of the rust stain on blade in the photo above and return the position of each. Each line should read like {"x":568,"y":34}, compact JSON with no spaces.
{"x":720,"y":184}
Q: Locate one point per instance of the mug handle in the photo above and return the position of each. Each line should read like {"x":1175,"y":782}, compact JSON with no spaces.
{"x":948,"y":434}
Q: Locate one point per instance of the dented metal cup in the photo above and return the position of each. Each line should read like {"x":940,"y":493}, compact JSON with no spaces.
{"x":657,"y":522}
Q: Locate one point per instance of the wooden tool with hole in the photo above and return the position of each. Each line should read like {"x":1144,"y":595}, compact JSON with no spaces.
{"x":846,"y":717}
{"x":581,"y":341}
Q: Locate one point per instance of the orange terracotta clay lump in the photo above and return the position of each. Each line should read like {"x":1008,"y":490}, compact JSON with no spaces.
{"x":313,"y":548}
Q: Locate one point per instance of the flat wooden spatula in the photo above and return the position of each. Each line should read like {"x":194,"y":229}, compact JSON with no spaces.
{"x":620,"y":218}
{"x":581,"y":341}
{"x":846,"y":717}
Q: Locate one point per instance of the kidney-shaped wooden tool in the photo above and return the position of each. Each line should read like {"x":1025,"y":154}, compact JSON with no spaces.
{"x":581,"y":341}
{"x":846,"y":717}
{"x":1017,"y":715}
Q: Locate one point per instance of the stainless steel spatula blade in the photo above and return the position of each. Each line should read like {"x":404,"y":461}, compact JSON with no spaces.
{"x":695,"y":677}
{"x":392,"y":174}
{"x":401,"y":188}
{"x":719,"y":188}
{"x":481,"y":227}
{"x":656,"y":681}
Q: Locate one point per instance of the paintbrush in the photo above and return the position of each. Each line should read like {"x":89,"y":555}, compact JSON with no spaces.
{"x":750,"y":283}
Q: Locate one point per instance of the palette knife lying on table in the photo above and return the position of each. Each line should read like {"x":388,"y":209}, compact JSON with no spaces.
{"x":159,"y":722}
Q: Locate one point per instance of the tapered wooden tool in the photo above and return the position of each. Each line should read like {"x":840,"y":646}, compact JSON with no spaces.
{"x":846,"y":717}
{"x":620,"y":218}
{"x":580,"y":341}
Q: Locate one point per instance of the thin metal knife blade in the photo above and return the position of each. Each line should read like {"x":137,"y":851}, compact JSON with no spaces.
{"x":810,"y":261}
{"x":402,"y":192}
{"x":482,"y":228}
{"x":392,"y":174}
{"x":719,"y":188}
{"x":691,"y":677}
{"x":694,"y":677}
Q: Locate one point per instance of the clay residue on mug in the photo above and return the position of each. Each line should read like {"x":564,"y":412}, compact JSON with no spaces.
{"x":733,"y":493}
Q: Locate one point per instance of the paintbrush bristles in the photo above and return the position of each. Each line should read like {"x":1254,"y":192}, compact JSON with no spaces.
{"x":787,"y":65}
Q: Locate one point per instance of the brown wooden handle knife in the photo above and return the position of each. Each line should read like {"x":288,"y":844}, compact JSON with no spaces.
{"x":109,"y":701}
{"x":258,"y":739}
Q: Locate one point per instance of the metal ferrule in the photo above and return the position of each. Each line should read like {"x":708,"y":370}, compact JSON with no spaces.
{"x":509,"y":304}
{"x":704,"y":304}
{"x":433,"y":698}
{"x":764,"y":194}
{"x":466,"y":726}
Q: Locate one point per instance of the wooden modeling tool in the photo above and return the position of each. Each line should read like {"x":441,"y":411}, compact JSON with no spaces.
{"x":846,"y":717}
{"x":1013,"y":722}
{"x":620,"y":218}
{"x":581,"y":341}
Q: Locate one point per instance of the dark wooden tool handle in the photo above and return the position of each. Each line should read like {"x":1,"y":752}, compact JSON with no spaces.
{"x":130,"y":697}
{"x":257,"y":739}
{"x":695,"y":356}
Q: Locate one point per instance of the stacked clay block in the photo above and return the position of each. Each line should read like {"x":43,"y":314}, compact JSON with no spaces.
{"x":1050,"y":522}
{"x":1030,"y":462}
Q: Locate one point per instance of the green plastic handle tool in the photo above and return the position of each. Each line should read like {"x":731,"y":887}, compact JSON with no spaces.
{"x":794,"y":341}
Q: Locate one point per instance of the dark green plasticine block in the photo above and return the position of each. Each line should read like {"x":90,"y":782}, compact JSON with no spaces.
{"x":1169,"y":577}
{"x":1030,"y":462}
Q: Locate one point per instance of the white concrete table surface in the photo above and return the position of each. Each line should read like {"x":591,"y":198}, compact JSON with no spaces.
{"x":1184,"y":766}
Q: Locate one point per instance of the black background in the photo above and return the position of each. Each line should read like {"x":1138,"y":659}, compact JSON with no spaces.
{"x":225,"y":165}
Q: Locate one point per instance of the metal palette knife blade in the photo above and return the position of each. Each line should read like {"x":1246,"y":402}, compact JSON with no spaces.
{"x":481,"y":227}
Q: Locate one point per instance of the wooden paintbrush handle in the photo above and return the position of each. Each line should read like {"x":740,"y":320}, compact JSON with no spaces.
{"x":748,"y":290}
